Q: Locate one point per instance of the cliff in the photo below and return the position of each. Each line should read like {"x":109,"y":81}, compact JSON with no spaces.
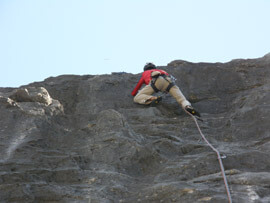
{"x":82,"y":139}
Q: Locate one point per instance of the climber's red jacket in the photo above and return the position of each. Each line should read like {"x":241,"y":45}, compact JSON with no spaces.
{"x":145,"y":79}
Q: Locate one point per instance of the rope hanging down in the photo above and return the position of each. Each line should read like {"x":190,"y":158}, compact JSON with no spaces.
{"x":219,"y":158}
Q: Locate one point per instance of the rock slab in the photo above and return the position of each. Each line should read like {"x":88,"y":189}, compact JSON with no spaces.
{"x":82,"y":139}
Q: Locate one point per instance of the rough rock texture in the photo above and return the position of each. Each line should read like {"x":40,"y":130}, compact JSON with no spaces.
{"x":39,"y":95}
{"x":82,"y":139}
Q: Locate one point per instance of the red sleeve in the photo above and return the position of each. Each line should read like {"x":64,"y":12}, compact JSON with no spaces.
{"x":138,"y":86}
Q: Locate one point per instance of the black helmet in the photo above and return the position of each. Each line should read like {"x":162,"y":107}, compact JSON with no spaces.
{"x":149,"y":66}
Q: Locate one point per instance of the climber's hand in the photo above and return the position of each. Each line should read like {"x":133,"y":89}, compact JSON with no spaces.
{"x":191,"y":110}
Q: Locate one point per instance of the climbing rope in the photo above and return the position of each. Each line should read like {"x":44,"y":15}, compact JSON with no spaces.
{"x":219,"y":158}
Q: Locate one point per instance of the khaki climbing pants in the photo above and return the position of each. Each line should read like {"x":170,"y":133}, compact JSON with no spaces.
{"x":145,"y":93}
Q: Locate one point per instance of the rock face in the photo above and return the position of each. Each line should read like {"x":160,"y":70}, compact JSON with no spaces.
{"x":82,"y":139}
{"x":39,"y":95}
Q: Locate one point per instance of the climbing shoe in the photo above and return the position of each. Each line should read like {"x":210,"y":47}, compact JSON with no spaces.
{"x":192,"y":111}
{"x":156,"y":101}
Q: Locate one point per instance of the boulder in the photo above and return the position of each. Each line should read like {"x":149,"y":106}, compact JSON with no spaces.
{"x":32,"y":94}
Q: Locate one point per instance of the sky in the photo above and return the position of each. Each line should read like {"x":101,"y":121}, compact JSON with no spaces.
{"x":44,"y":38}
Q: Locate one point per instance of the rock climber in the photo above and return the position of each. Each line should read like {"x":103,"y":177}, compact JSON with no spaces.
{"x":159,"y":80}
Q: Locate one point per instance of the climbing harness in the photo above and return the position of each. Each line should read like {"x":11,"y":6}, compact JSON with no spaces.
{"x":219,"y":157}
{"x":171,"y":83}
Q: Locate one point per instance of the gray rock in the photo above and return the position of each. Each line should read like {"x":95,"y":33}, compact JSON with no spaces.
{"x":82,"y":139}
{"x":7,"y":102}
{"x":32,"y":94}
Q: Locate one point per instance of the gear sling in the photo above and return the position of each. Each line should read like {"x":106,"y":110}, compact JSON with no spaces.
{"x":171,"y":83}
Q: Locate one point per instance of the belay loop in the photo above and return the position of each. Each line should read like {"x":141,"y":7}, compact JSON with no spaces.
{"x":171,"y":83}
